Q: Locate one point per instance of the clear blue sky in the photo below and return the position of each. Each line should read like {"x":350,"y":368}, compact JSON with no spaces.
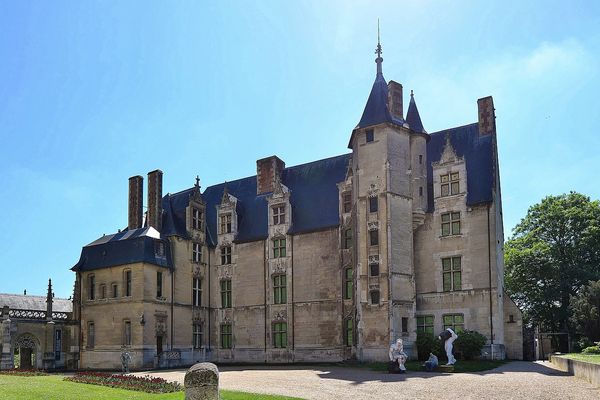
{"x":92,"y":93}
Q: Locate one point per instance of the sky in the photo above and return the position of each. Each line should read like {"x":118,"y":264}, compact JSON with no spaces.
{"x":93,"y":92}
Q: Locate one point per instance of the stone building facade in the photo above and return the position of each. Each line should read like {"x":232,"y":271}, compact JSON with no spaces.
{"x":325,"y":261}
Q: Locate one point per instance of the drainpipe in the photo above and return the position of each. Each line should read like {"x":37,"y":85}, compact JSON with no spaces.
{"x":490,"y":281}
{"x":293,"y":280}
{"x":389,"y":252}
{"x":265,"y":266}
{"x":209,"y":284}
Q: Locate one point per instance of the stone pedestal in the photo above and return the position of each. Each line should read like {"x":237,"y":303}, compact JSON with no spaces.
{"x":6,"y":356}
{"x":202,"y":382}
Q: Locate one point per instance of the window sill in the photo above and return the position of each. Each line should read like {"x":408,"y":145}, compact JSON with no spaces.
{"x":460,"y":235}
{"x":450,"y":196}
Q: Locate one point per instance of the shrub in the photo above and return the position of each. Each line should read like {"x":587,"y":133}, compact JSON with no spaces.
{"x":141,"y":383}
{"x":591,"y":350}
{"x":23,"y":372}
{"x":427,"y":343}
{"x":469,"y":344}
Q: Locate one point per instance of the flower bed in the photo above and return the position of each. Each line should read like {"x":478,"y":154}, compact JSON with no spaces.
{"x":23,"y":372}
{"x":140,"y":383}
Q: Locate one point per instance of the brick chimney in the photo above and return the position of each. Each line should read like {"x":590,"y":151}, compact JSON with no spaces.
{"x":136,"y":202}
{"x":487,"y":116}
{"x":155,"y":199}
{"x":395,"y":99}
{"x":267,"y":171}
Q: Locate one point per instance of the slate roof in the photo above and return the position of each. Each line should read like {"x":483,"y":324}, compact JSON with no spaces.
{"x":38,"y":303}
{"x":127,"y":247}
{"x":479,"y":157}
{"x":376,"y":110}
{"x":413,"y":119}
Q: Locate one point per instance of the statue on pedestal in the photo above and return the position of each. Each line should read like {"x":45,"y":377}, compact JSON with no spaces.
{"x":397,"y":355}
{"x":431,"y":363}
{"x":448,"y":337}
{"x":125,"y":360}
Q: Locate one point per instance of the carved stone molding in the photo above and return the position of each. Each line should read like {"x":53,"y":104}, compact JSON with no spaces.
{"x":374,"y":259}
{"x":280,"y":316}
{"x":278,"y":266}
{"x":26,"y":341}
{"x":373,"y":225}
{"x":225,"y":273}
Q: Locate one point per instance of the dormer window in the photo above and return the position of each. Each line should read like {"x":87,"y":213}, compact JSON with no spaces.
{"x":449,"y":184}
{"x":225,"y":223}
{"x":347,"y":202}
{"x":278,"y":215}
{"x":369,"y":135}
{"x":196,"y":219}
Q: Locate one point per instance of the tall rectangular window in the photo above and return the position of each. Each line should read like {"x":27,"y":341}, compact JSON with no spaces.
{"x":348,"y":283}
{"x":347,"y":202}
{"x":456,"y":322}
{"x":91,"y":287}
{"x":225,"y":255}
{"x":226,"y":336}
{"x":373,"y":204}
{"x":374,"y":237}
{"x":425,"y":324}
{"x":127,"y":333}
{"x":279,"y":289}
{"x":225,"y":223}
{"x":91,"y":335}
{"x":102,"y":291}
{"x":115,"y":291}
{"x":196,"y":219}
{"x":450,"y":184}
{"x":404,"y":325}
{"x":451,"y":270}
{"x":278,"y":248}
{"x":196,"y":252}
{"x":278,"y":215}
{"x":451,"y":223}
{"x":159,"y":284}
{"x":197,"y":292}
{"x":280,"y":335}
{"x":226,"y":293}
{"x":349,"y":332}
{"x":127,"y":283}
{"x":374,"y":296}
{"x":374,"y":269}
{"x":369,"y":135}
{"x":348,"y":238}
{"x":197,"y":335}
{"x":57,"y":344}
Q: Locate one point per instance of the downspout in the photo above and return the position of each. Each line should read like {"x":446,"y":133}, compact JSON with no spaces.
{"x":389,"y":250}
{"x":209,"y":284}
{"x":172,"y":295}
{"x":80,"y":330}
{"x":293,"y":324}
{"x":490,"y":281}
{"x":265,"y":265}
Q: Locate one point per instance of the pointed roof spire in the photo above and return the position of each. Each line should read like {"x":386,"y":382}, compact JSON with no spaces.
{"x":378,"y":51}
{"x":413,"y":119}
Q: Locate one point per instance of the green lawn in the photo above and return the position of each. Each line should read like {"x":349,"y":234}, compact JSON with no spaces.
{"x":459,"y":367}
{"x":54,"y":388}
{"x":592,"y":358}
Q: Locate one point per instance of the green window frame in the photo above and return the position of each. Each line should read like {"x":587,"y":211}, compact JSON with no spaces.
{"x":451,"y":223}
{"x":225,"y":255}
{"x":456,"y":322}
{"x":278,"y":248}
{"x":452,"y":274}
{"x":226,"y":336}
{"x":348,"y":283}
{"x":280,"y":289}
{"x":348,"y":332}
{"x":348,"y":238}
{"x":450,"y":184}
{"x":425,"y":324}
{"x":280,"y":335}
{"x":226,"y":293}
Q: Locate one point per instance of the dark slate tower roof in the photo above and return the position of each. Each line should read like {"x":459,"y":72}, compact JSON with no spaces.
{"x":413,"y":119}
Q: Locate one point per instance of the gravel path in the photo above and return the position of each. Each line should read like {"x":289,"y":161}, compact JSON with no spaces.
{"x":515,"y":380}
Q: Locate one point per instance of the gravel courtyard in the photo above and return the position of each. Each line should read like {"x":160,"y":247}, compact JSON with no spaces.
{"x":515,"y":380}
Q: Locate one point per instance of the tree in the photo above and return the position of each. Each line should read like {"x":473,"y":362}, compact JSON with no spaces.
{"x":554,"y":251}
{"x":586,"y":311}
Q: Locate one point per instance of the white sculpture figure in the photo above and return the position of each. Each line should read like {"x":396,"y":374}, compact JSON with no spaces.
{"x":398,"y":355}
{"x":448,"y":336}
{"x":431,"y":363}
{"x":125,"y":360}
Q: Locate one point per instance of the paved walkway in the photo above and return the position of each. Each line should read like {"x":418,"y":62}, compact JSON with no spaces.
{"x":515,"y":380}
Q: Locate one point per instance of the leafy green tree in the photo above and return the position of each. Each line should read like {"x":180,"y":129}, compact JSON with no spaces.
{"x":586,"y":311}
{"x":554,"y":251}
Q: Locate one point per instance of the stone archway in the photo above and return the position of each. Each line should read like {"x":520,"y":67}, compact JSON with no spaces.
{"x":28,"y":349}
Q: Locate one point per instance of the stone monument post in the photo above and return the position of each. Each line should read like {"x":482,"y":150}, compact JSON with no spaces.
{"x":202,"y":382}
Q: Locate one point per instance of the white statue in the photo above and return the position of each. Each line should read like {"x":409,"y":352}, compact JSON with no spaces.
{"x":431,"y":363}
{"x":448,"y":336}
{"x":398,"y":355}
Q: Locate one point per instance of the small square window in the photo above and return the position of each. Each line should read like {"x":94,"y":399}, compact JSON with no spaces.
{"x":369,"y":135}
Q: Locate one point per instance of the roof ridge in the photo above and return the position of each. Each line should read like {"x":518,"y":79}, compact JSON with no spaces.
{"x":33,"y":295}
{"x":454,"y":127}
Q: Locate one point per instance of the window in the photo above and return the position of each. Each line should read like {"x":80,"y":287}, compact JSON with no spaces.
{"x":347,"y":202}
{"x":421,"y":191}
{"x":280,"y":289}
{"x":196,"y":252}
{"x":348,"y":332}
{"x":280,"y":335}
{"x":451,"y":274}
{"x":127,"y":283}
{"x":425,"y":324}
{"x":91,"y":287}
{"x":197,"y":335}
{"x":404,"y":325}
{"x":57,"y":344}
{"x":374,"y":296}
{"x":373,"y":204}
{"x":450,"y":184}
{"x":115,"y":291}
{"x":127,"y":333}
{"x":225,"y":255}
{"x":369,"y":135}
{"x":226,"y":293}
{"x":196,"y":219}
{"x":374,"y":237}
{"x":159,"y":280}
{"x":456,"y":322}
{"x":374,"y":269}
{"x":226,"y":336}
{"x":420,"y":158}
{"x":159,"y":248}
{"x":226,"y":223}
{"x":451,"y":223}
{"x":197,"y":292}
{"x":91,"y":335}
{"x":348,"y":283}
{"x":278,"y":248}
{"x":348,"y":238}
{"x":103,"y":291}
{"x":278,"y":215}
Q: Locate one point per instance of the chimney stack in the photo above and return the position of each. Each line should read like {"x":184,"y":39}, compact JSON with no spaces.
{"x":268,"y":170}
{"x":155,"y":199}
{"x":487,"y":116}
{"x":136,"y":200}
{"x":395,"y":99}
